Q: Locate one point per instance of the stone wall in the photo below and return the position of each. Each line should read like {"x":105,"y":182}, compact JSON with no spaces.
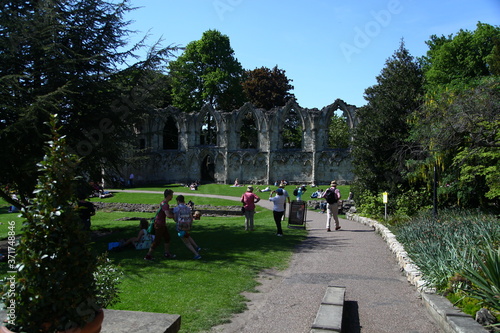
{"x":224,"y":160}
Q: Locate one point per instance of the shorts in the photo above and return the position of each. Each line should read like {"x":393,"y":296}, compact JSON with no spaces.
{"x":183,"y":233}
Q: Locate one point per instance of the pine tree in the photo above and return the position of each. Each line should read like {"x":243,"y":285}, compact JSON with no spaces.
{"x":60,"y":57}
{"x":378,"y":157}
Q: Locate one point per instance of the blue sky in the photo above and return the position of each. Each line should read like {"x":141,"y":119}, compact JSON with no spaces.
{"x":329,"y":48}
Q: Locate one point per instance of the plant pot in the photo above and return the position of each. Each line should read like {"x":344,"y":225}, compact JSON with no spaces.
{"x":92,"y":327}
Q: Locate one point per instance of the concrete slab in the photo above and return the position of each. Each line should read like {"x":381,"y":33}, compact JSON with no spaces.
{"x":334,"y":296}
{"x":329,"y":316}
{"x":116,"y":321}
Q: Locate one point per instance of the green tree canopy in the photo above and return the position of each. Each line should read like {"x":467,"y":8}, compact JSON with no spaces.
{"x":459,"y":129}
{"x":267,"y":88}
{"x":207,"y":72}
{"x":379,"y":138}
{"x":461,"y":57}
{"x":458,"y":124}
{"x":60,"y":57}
{"x":338,"y":132}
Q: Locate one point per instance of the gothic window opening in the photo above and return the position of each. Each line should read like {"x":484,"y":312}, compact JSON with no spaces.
{"x":170,"y":134}
{"x":292,"y":131}
{"x":208,"y":132}
{"x":142,"y":143}
{"x":338,"y":132}
{"x":249,"y":134}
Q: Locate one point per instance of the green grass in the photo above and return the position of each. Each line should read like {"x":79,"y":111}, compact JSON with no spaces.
{"x":204,"y":292}
{"x":228,"y":190}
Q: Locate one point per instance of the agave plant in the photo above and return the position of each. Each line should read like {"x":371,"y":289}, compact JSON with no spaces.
{"x":485,"y":277}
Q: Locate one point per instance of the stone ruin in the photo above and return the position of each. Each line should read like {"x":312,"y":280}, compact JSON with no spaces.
{"x":246,"y":144}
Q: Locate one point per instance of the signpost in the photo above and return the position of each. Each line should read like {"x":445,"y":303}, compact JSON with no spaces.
{"x":384,"y":200}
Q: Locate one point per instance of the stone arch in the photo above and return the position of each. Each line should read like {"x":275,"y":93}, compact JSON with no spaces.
{"x":220,"y":166}
{"x":210,"y":135}
{"x":207,"y":168}
{"x":170,"y":134}
{"x":247,"y":136}
{"x":225,"y":160}
{"x":298,"y":125}
{"x":348,"y":111}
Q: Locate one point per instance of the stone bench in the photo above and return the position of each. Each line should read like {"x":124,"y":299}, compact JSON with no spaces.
{"x":117,"y":321}
{"x":329,"y":316}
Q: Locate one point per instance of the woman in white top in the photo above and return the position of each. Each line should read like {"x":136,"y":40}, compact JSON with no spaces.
{"x":279,"y":209}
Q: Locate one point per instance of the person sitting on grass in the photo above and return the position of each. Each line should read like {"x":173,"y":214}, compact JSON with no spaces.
{"x":184,"y":220}
{"x":143,"y":239}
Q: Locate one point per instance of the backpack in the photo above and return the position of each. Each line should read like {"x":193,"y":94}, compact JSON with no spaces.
{"x":184,"y":218}
{"x":331,"y":196}
{"x":296,"y":192}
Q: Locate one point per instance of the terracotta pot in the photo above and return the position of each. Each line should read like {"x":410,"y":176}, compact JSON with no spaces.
{"x":92,"y":327}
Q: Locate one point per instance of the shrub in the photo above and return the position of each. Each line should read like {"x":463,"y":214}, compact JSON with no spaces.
{"x":484,"y":275}
{"x":442,"y":247}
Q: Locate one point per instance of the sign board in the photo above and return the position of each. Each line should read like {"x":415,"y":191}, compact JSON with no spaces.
{"x":297,"y":213}
{"x":384,"y":197}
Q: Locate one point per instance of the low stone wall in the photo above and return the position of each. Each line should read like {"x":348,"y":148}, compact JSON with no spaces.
{"x":411,"y":271}
{"x":205,"y":210}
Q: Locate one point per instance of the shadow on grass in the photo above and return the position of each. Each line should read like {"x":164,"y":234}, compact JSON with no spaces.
{"x":220,"y":244}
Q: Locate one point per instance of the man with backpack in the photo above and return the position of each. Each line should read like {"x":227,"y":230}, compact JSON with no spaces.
{"x":332,"y":196}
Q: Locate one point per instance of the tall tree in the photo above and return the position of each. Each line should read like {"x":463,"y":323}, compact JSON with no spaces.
{"x":461,"y":57}
{"x":457,"y":127}
{"x":207,"y":72}
{"x":59,"y":57}
{"x":378,"y":157}
{"x":267,"y":88}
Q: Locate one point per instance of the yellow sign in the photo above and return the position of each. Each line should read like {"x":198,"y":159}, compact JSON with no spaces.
{"x":384,"y":197}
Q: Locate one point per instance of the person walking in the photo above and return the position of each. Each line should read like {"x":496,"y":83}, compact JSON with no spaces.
{"x":287,"y":199}
{"x":184,"y":220}
{"x":332,"y":196}
{"x":278,"y":209}
{"x":160,"y":225}
{"x":249,"y":199}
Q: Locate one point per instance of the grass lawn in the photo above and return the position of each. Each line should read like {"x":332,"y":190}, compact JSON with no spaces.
{"x":204,"y":292}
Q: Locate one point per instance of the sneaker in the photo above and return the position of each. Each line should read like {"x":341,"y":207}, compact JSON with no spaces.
{"x":198,"y":249}
{"x":170,"y":255}
{"x":279,"y":235}
{"x":196,"y":257}
{"x":148,"y":257}
{"x":337,"y":228}
{"x":328,"y":229}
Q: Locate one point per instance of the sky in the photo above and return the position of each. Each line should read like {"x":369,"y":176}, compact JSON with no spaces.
{"x":330,"y":49}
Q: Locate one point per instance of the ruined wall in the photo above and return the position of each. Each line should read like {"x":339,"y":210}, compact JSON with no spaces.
{"x":224,"y":160}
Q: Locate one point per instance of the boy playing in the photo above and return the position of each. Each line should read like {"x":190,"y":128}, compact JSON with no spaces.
{"x":161,"y":231}
{"x":184,"y":220}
